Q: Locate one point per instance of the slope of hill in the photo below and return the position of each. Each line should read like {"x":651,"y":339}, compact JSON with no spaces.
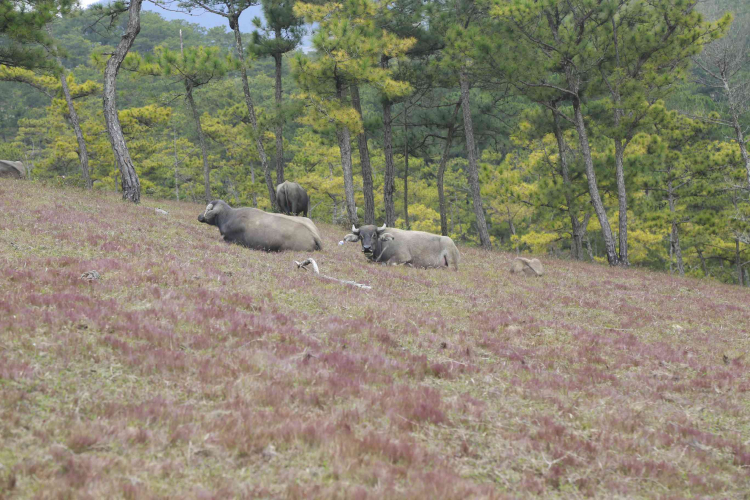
{"x":200,"y":369}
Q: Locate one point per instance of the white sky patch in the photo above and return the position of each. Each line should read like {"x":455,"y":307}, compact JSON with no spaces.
{"x":86,"y":3}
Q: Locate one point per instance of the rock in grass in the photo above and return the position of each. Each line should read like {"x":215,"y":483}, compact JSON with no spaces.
{"x":529,"y":267}
{"x":91,"y":276}
{"x":162,"y":212}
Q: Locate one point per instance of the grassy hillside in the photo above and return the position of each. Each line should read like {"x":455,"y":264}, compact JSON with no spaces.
{"x":199,"y":369}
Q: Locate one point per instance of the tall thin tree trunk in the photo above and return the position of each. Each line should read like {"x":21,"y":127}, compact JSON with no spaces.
{"x":441,"y":170}
{"x":279,"y":119}
{"x":596,"y":200}
{"x":234,"y":25}
{"x":176,"y":164}
{"x":588,"y":248}
{"x":622,"y":201}
{"x":738,"y":260}
{"x":345,"y":148}
{"x":390,"y":170}
{"x":703,"y":263}
{"x":458,"y":216}
{"x":406,"y":164}
{"x":83,"y":155}
{"x":674,"y":236}
{"x":131,"y":186}
{"x":252,"y":180}
{"x":453,"y":207}
{"x":511,"y":226}
{"x":743,"y":147}
{"x":484,"y":235}
{"x":199,"y":130}
{"x":577,"y":246}
{"x":364,"y":159}
{"x":201,"y":140}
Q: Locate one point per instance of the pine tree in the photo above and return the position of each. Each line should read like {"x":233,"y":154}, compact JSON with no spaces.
{"x":559,"y":52}
{"x":131,"y":186}
{"x":350,"y":47}
{"x":287,"y":30}
{"x":232,"y":10}
{"x":725,"y":64}
{"x":194,"y":67}
{"x":52,"y":87}
{"x":651,"y":47}
{"x":23,"y":39}
{"x":462,"y":40}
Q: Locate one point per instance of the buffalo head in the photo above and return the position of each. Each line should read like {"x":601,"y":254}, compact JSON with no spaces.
{"x":212,"y":210}
{"x":369,"y":236}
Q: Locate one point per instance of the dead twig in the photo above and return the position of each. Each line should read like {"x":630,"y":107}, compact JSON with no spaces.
{"x":311,"y":261}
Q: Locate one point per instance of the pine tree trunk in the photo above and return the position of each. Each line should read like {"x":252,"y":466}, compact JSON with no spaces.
{"x":279,"y":121}
{"x":703,"y":263}
{"x":441,"y":171}
{"x":131,"y":186}
{"x":619,"y":163}
{"x":364,"y":159}
{"x":473,"y":169}
{"x":201,"y":140}
{"x":83,"y":155}
{"x":511,"y":226}
{"x":622,"y":201}
{"x":176,"y":163}
{"x":738,"y":260}
{"x":406,"y":166}
{"x":234,"y":25}
{"x":390,"y":170}
{"x":252,"y":179}
{"x":743,"y":147}
{"x":345,"y":148}
{"x":588,"y":249}
{"x":674,"y":235}
{"x":596,"y":200}
{"x":577,"y":246}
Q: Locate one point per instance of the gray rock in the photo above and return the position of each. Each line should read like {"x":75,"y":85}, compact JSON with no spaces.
{"x":529,"y":267}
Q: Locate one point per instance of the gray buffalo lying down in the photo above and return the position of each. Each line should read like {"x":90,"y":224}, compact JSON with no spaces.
{"x":260,"y":230}
{"x":397,"y":246}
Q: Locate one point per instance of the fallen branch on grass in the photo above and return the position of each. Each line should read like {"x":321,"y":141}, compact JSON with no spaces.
{"x":307,"y":262}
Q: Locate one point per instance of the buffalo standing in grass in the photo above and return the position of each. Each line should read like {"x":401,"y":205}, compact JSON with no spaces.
{"x":292,"y":198}
{"x":260,"y":230}
{"x":415,"y":248}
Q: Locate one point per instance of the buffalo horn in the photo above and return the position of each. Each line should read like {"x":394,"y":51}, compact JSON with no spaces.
{"x":381,"y":229}
{"x":355,"y":230}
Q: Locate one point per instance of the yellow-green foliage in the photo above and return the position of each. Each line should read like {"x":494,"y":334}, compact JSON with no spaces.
{"x":538,"y":242}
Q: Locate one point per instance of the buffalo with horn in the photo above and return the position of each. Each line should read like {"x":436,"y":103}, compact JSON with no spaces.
{"x":261,"y":230}
{"x":397,"y":246}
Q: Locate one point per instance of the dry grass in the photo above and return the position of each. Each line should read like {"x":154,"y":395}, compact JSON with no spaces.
{"x":204,"y":370}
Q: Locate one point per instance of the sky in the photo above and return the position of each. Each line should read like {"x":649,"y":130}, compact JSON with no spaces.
{"x":205,"y":19}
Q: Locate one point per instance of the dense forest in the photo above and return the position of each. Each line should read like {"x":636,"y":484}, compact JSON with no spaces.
{"x":603,"y":130}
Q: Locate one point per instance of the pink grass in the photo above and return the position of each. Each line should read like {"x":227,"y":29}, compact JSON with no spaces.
{"x":199,"y":369}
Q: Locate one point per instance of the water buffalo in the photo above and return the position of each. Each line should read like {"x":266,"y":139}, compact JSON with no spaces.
{"x":12,"y":169}
{"x":397,"y":246}
{"x":260,"y":230}
{"x":292,"y":198}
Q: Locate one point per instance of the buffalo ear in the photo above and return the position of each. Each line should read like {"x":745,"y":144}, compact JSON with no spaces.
{"x":351,"y":237}
{"x":386,"y":237}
